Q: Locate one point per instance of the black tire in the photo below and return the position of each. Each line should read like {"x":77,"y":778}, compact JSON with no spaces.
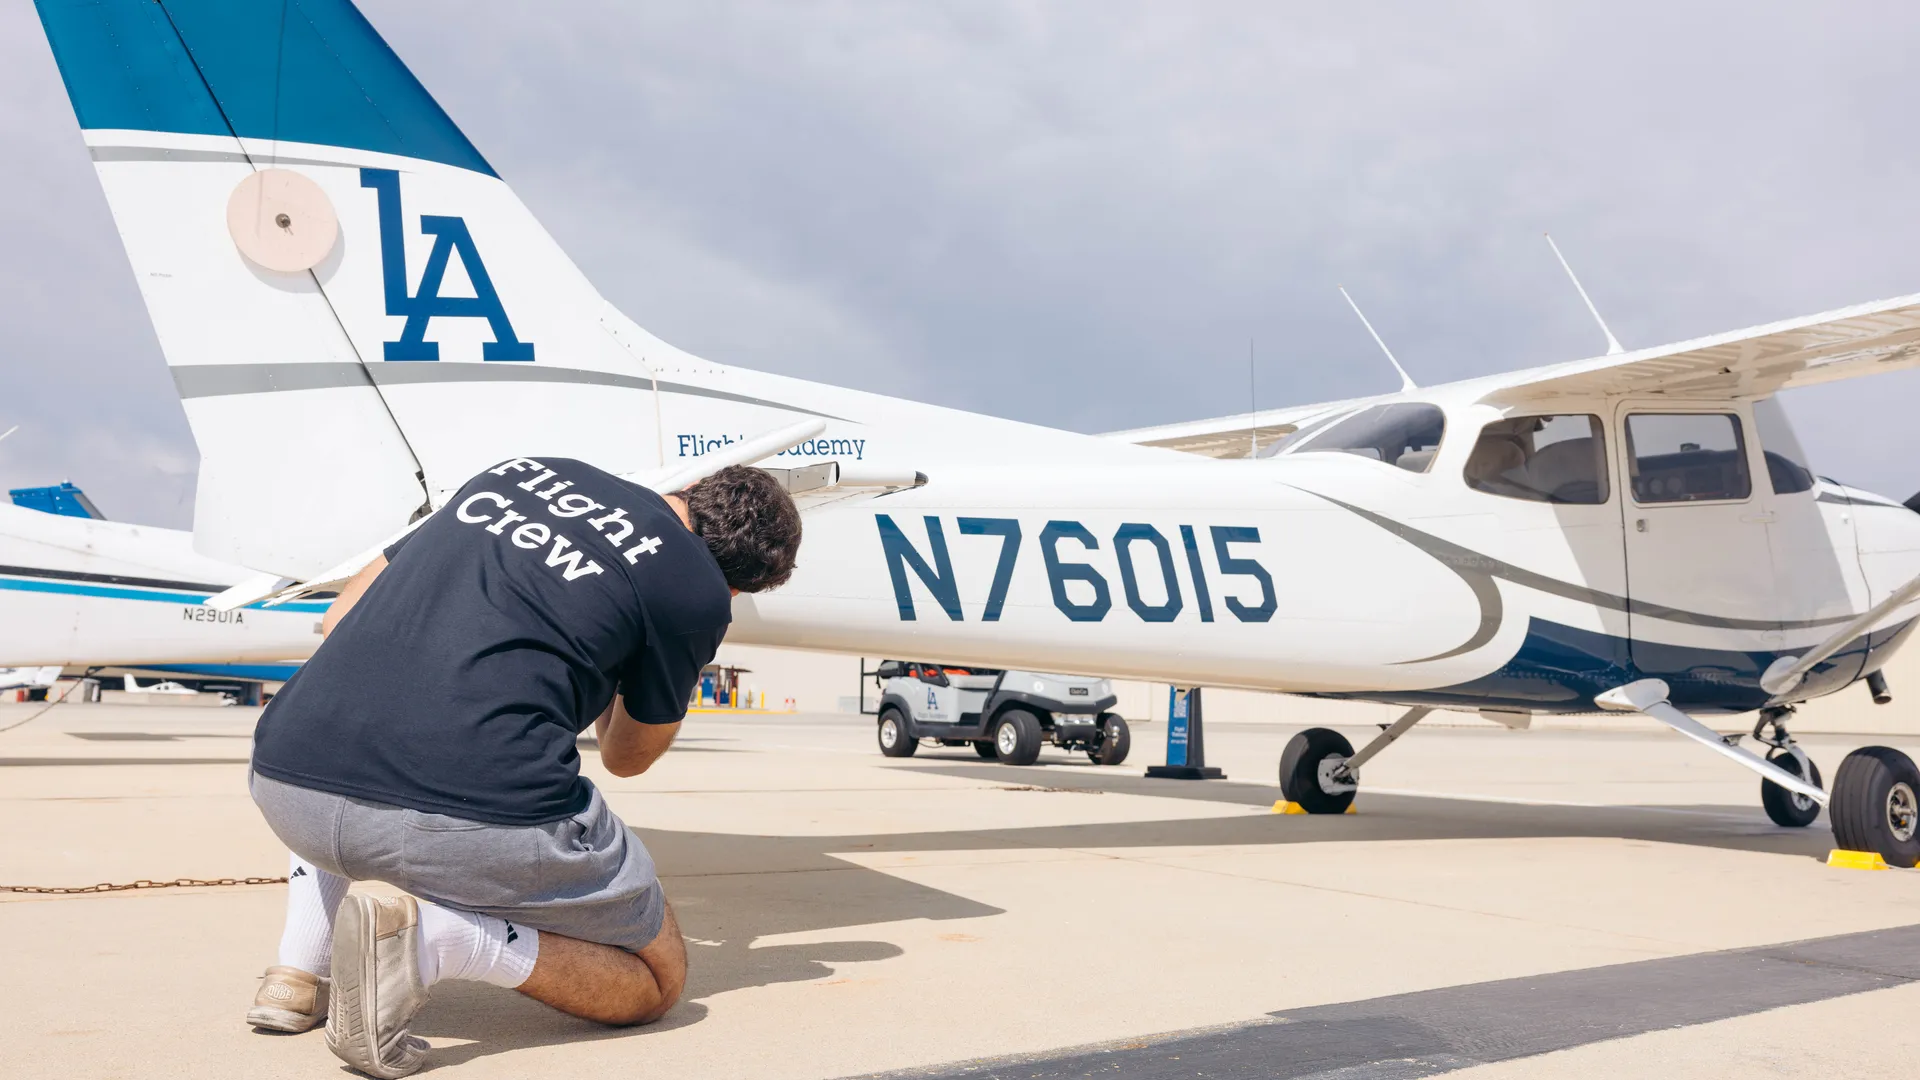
{"x":1783,"y":806}
{"x":1876,"y":805}
{"x":1016,"y":737}
{"x":985,"y":749}
{"x":1115,"y":741}
{"x":1300,"y":770}
{"x":894,"y":740}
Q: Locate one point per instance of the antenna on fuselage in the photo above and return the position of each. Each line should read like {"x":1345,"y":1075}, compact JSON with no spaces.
{"x":1406,"y":380}
{"x":1613,"y":343}
{"x":1253,"y":408}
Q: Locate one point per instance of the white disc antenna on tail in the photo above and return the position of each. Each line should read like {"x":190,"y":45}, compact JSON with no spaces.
{"x":282,"y":221}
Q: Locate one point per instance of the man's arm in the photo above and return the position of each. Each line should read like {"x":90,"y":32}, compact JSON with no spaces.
{"x":350,"y":595}
{"x":628,"y":747}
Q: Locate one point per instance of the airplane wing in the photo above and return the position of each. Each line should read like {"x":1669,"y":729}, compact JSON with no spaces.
{"x":1861,"y":340}
{"x":1231,"y":436}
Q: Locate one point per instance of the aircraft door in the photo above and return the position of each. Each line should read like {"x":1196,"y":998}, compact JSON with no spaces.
{"x":1700,"y":573}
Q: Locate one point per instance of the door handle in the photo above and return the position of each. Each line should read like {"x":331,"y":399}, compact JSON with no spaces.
{"x":1764,"y":517}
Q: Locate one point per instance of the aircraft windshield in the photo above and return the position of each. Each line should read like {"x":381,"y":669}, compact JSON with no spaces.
{"x":1786,"y":462}
{"x":1406,"y":435}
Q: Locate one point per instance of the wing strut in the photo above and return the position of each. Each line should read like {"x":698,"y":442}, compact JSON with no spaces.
{"x":1785,"y":673}
{"x":1613,"y":343}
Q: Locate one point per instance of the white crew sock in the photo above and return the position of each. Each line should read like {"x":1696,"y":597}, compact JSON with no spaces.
{"x":313,"y":895}
{"x":458,"y":944}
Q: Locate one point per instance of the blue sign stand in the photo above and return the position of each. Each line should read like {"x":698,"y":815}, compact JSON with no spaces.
{"x":1186,"y":739}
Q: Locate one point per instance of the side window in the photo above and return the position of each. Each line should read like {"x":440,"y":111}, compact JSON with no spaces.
{"x":1551,"y":459}
{"x":1786,"y":462}
{"x":1406,"y":435}
{"x":1687,"y":457}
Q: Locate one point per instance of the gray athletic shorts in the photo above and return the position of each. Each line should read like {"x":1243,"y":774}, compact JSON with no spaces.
{"x":583,"y":877}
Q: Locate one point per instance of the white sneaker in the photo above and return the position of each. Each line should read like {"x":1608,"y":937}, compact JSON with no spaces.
{"x":376,"y":985}
{"x":289,"y":1000}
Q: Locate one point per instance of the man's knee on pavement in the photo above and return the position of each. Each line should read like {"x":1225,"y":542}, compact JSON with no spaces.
{"x":666,"y":958}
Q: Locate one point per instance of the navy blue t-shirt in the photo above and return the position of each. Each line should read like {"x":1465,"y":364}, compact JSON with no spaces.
{"x":500,"y":629}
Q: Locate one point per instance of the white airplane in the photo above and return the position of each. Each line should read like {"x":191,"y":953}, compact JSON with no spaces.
{"x":86,"y":593}
{"x":359,"y":315}
{"x":165,"y":687}
{"x":29,"y":678}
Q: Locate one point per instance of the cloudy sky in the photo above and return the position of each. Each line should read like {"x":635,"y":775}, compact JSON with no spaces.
{"x":1082,"y":213}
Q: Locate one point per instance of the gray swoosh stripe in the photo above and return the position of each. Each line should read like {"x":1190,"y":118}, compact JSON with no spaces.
{"x":1466,"y":561}
{"x":1844,"y":500}
{"x":159,"y":153}
{"x":221,"y":380}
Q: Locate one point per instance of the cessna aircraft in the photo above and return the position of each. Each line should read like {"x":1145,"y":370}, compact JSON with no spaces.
{"x":82,"y":592}
{"x":359,"y":315}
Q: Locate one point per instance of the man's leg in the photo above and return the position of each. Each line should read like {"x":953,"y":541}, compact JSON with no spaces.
{"x":313,"y":895}
{"x":293,"y":993}
{"x":613,"y":986}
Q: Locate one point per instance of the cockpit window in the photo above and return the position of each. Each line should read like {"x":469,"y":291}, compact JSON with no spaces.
{"x":1406,"y":434}
{"x":1687,"y":457}
{"x":1786,"y":462}
{"x":1552,"y":459}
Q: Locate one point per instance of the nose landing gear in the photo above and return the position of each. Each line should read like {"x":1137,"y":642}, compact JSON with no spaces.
{"x":1788,"y":808}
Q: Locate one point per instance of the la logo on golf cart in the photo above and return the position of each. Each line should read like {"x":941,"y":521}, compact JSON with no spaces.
{"x":420,"y":308}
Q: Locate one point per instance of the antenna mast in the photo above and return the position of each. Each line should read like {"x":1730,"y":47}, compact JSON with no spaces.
{"x":1253,"y":406}
{"x":1613,"y":343}
{"x":1406,"y":381}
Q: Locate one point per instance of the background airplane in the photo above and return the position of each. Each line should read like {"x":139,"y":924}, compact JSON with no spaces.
{"x":82,"y":592}
{"x":359,"y":315}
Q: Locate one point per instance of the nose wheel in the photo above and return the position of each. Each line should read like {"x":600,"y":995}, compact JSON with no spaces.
{"x":1788,"y":808}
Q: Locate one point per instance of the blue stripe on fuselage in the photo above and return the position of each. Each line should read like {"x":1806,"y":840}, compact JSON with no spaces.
{"x":164,"y":596}
{"x":1560,"y":668}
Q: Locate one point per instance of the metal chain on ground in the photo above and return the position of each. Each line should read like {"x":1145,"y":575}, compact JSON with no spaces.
{"x":143,"y":883}
{"x":71,"y":687}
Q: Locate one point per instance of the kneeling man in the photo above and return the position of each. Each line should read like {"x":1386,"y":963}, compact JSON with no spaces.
{"x":431,"y":743}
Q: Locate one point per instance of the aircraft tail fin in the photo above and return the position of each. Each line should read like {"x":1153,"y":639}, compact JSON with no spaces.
{"x":351,"y":300}
{"x":360,"y":314}
{"x":132,"y":685}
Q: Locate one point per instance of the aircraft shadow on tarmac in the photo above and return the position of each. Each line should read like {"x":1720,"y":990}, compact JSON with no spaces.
{"x":730,"y":890}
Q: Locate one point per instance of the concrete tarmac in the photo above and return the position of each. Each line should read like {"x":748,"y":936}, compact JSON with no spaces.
{"x":1504,"y":904}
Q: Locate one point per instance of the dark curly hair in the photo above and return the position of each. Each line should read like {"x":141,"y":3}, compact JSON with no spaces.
{"x":749,"y":523}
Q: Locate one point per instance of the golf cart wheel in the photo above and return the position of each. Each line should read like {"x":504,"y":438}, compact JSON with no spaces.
{"x":894,"y":740}
{"x":1300,"y":771}
{"x":1876,"y":805}
{"x":1785,"y":807}
{"x":1016,"y":737}
{"x":1115,"y":741}
{"x":985,"y":749}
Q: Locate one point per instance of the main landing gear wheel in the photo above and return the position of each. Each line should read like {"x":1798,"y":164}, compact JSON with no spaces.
{"x":1787,"y":808}
{"x":1016,"y":736}
{"x":894,"y":741}
{"x":1115,"y":741}
{"x":1876,"y":805}
{"x":1306,"y":771}
{"x":986,"y":749}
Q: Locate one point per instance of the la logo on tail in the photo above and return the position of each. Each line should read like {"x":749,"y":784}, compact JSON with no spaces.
{"x":422,"y":307}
